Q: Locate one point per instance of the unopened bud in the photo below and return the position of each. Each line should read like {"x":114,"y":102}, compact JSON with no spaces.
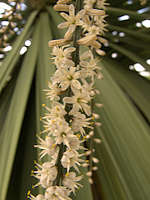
{"x":88,"y":153}
{"x":90,"y":180}
{"x":85,"y":165}
{"x":94,"y":168}
{"x":91,"y":133}
{"x":96,"y":116}
{"x":89,"y":173}
{"x":99,"y":105}
{"x":100,"y":52}
{"x":97,"y":140}
{"x":98,"y":124}
{"x":95,"y":160}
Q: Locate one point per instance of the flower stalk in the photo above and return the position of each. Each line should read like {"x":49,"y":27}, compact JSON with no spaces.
{"x":69,"y":122}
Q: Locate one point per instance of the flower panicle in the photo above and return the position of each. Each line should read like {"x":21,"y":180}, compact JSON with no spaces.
{"x":69,"y":122}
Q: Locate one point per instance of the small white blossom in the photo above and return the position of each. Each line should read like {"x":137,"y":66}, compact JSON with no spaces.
{"x":46,"y":174}
{"x":57,"y":193}
{"x":67,"y":77}
{"x":72,"y":21}
{"x":71,"y":181}
{"x":71,"y":158}
{"x":79,"y":122}
{"x":62,"y":56}
{"x":47,"y":146}
{"x":53,"y":92}
{"x":80,"y":101}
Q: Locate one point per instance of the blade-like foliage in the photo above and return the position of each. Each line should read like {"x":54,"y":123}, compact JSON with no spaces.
{"x":11,"y":129}
{"x":124,"y":152}
{"x":123,"y":172}
{"x":11,"y":60}
{"x":135,"y":86}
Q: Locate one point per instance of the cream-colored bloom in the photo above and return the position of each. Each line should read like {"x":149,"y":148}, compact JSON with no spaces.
{"x":62,"y":56}
{"x":71,"y":181}
{"x":73,"y":142}
{"x":89,"y":68}
{"x":57,"y":193}
{"x":101,"y":4}
{"x":46,"y":174}
{"x":53,"y":92}
{"x":79,"y":101}
{"x":89,"y":3}
{"x":79,"y":122}
{"x":67,"y":77}
{"x":47,"y":146}
{"x":71,"y":158}
{"x":72,"y":21}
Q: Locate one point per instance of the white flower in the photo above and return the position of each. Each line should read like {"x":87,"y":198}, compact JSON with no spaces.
{"x":71,"y":181}
{"x":72,"y":21}
{"x":56,"y":111}
{"x":89,"y":3}
{"x":46,"y":174}
{"x":73,"y":142}
{"x":101,"y":23}
{"x":101,"y":4}
{"x":67,"y":77}
{"x":53,"y":92}
{"x":63,"y":56}
{"x":89,"y":68}
{"x":47,"y":146}
{"x":71,"y":158}
{"x":79,"y":122}
{"x":80,"y":101}
{"x":57,"y":193}
{"x":62,"y":133}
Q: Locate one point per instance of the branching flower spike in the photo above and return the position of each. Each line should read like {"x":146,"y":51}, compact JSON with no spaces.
{"x":69,"y":123}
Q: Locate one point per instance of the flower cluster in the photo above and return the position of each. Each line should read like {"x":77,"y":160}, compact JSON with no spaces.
{"x":70,"y":121}
{"x":10,"y":16}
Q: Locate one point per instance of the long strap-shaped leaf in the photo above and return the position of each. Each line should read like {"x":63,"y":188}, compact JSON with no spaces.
{"x":11,"y":59}
{"x":136,"y":86}
{"x":118,"y":12}
{"x":12,"y":126}
{"x":44,"y":69}
{"x":124,"y":152}
{"x":130,"y":55}
{"x":136,"y":34}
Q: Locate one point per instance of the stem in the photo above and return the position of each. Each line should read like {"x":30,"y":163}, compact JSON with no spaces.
{"x":58,"y":165}
{"x":76,"y":35}
{"x":75,"y":58}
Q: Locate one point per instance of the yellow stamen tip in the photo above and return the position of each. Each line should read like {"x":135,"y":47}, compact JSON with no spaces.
{"x":43,"y":105}
{"x":67,"y":174}
{"x":53,"y":145}
{"x":78,"y":135}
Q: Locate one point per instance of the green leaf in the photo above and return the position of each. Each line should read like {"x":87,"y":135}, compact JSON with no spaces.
{"x":119,"y":12}
{"x":13,"y":122}
{"x":124,"y":152}
{"x":133,"y":84}
{"x":136,"y":34}
{"x":10,"y":61}
{"x":130,"y":55}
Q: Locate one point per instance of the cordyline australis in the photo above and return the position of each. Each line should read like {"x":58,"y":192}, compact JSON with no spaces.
{"x":67,"y":139}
